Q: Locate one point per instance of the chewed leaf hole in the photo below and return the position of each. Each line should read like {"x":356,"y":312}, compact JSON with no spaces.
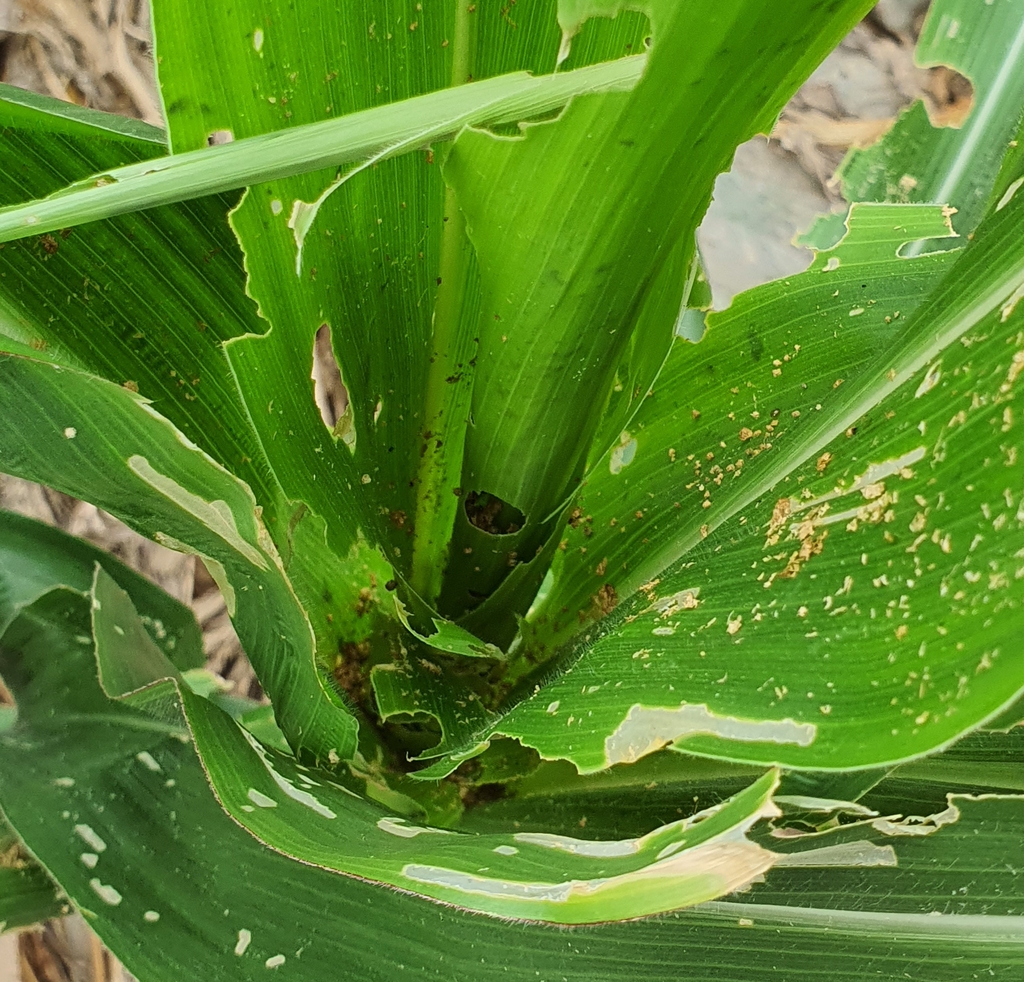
{"x":623,"y":454}
{"x":329,"y":390}
{"x":219,"y":137}
{"x":492,"y":515}
{"x":950,"y":97}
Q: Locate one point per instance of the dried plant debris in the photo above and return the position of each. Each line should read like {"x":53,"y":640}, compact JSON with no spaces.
{"x":857,"y":93}
{"x":66,"y":950}
{"x":95,"y":53}
{"x":169,"y":570}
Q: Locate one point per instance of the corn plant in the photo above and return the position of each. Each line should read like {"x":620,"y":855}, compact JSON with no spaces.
{"x":590,"y":649}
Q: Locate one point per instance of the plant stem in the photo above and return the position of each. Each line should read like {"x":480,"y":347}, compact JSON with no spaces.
{"x":446,"y":404}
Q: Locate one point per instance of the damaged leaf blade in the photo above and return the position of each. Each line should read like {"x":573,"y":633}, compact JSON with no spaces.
{"x":103,"y":443}
{"x":952,"y":158}
{"x":308,"y":815}
{"x":848,"y":556}
{"x":99,"y":761}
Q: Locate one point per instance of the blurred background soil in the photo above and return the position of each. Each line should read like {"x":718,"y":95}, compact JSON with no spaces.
{"x":92,"y":52}
{"x":98,"y":53}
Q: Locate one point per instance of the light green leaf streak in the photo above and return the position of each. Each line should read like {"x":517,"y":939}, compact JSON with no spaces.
{"x":381,"y":132}
{"x":215,"y":515}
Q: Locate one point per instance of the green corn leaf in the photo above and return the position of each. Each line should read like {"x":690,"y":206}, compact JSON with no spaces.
{"x":58,"y":769}
{"x":896,"y":535}
{"x":389,"y":131}
{"x":314,"y":818}
{"x":27,"y":895}
{"x":155,"y":318}
{"x":178,"y":297}
{"x":325,"y":823}
{"x":643,"y":564}
{"x":551,"y":796}
{"x":976,"y":834}
{"x":30,"y":110}
{"x":421,"y":687}
{"x":565,"y":276}
{"x":183,"y":285}
{"x":1008,"y":180}
{"x":101,"y":442}
{"x":383,"y":265}
{"x":36,"y":558}
{"x":609,"y":550}
{"x":981,"y":763}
